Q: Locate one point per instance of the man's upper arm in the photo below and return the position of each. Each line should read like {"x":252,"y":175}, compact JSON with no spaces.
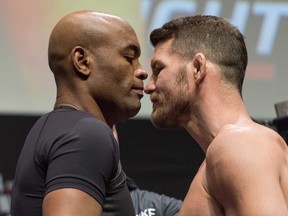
{"x":244,"y":178}
{"x":70,"y":202}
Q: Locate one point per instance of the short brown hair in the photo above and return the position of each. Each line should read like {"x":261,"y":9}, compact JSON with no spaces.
{"x":221,"y":42}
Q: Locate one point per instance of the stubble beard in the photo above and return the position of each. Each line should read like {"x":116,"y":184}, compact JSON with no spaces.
{"x":172,"y":104}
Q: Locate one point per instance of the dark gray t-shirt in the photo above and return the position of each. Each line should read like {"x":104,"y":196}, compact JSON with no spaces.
{"x":70,"y":149}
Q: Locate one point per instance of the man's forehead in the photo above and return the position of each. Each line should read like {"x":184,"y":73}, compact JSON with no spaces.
{"x":163,"y":49}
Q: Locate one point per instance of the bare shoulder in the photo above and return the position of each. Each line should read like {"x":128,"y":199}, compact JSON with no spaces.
{"x":246,"y":142}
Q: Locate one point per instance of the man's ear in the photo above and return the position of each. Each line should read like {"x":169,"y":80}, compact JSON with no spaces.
{"x":81,"y":61}
{"x":199,"y":70}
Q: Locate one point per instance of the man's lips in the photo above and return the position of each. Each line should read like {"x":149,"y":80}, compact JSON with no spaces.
{"x":139,"y":90}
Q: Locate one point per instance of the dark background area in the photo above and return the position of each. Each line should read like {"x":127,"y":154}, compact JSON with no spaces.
{"x":13,"y":131}
{"x":164,"y":161}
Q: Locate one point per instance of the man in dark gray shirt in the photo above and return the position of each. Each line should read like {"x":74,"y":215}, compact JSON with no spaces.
{"x":70,"y":162}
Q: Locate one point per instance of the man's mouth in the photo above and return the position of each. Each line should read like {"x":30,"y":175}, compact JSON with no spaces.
{"x":139,"y":91}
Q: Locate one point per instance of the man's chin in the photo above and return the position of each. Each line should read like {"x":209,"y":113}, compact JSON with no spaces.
{"x":134,"y":111}
{"x":157,"y":120}
{"x":163,"y":121}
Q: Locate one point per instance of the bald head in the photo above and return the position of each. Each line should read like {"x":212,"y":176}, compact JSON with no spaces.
{"x":95,"y":61}
{"x":81,"y":28}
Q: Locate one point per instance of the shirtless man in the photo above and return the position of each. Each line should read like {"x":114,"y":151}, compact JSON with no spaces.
{"x":198,"y":67}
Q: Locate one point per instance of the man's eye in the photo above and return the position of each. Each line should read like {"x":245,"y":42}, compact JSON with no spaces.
{"x":130,"y":58}
{"x":157,"y":70}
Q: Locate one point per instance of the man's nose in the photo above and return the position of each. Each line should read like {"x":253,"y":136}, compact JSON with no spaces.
{"x":141,"y":74}
{"x":150,"y":86}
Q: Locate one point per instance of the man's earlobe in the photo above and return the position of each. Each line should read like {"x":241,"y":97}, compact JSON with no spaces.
{"x":80,"y":60}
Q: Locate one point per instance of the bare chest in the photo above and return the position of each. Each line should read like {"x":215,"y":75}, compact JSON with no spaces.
{"x":198,"y":201}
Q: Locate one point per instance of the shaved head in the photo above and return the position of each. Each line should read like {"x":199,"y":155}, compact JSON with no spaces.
{"x":81,"y":28}
{"x":95,"y":61}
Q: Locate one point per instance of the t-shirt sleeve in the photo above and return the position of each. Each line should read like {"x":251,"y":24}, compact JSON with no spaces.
{"x":86,"y":158}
